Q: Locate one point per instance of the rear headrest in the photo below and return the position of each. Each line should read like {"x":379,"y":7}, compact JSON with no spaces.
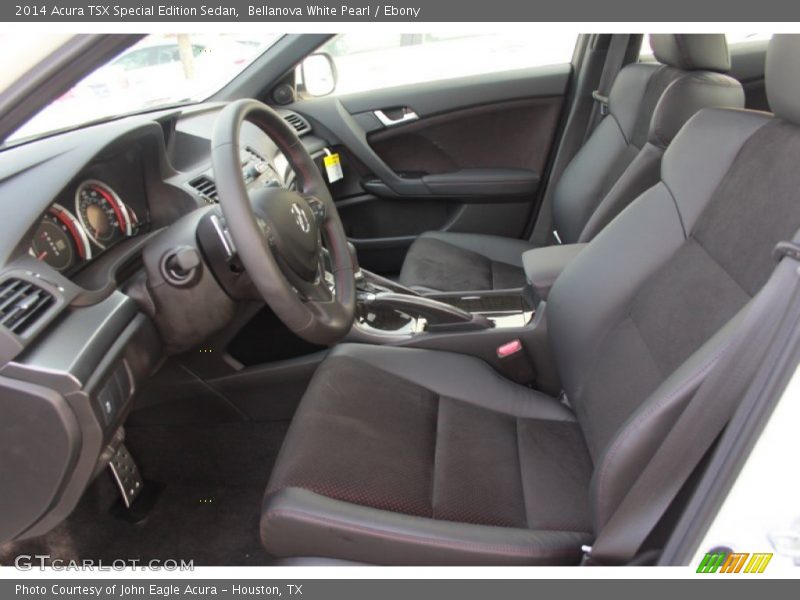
{"x":692,"y":51}
{"x":783,"y":76}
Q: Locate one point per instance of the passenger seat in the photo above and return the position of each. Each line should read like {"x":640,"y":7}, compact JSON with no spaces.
{"x":648,"y":104}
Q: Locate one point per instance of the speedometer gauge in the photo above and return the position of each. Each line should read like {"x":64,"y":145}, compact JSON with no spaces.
{"x":103,"y":215}
{"x":60,"y":240}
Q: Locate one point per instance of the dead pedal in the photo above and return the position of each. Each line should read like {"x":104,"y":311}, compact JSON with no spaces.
{"x":126,"y":475}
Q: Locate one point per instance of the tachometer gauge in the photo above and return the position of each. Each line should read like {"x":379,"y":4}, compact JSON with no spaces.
{"x":103,"y":215}
{"x":60,"y":240}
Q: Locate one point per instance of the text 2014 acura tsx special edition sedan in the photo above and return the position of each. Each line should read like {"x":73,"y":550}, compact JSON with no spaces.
{"x":364,"y":302}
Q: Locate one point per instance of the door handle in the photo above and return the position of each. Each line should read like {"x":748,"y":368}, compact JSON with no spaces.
{"x":407,"y":116}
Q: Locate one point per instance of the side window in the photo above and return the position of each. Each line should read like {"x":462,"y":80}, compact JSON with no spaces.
{"x":135,"y":60}
{"x":734,"y":39}
{"x":374,"y":61}
{"x":167,"y":54}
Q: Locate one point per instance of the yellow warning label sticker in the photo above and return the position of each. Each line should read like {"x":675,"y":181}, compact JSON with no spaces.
{"x":333,"y":167}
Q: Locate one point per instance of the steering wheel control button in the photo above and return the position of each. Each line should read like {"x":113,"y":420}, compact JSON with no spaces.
{"x":181,"y":267}
{"x":264,"y":227}
{"x":317,"y":208}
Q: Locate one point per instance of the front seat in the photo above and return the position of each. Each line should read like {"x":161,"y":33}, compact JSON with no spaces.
{"x":410,"y":456}
{"x":648,"y":104}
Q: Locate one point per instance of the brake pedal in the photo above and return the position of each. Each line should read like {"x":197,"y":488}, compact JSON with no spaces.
{"x":126,"y":475}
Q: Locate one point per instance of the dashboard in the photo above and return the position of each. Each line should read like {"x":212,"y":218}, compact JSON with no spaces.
{"x":81,"y":213}
{"x":144,"y":177}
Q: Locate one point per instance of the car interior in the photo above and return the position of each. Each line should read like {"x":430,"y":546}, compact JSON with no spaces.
{"x":464,"y":348}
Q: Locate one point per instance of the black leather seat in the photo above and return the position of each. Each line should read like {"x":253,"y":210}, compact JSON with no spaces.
{"x":415,"y":456}
{"x":648,"y":104}
{"x":409,"y":456}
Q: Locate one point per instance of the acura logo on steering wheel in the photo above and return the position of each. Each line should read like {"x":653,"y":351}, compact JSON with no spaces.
{"x":300,"y":218}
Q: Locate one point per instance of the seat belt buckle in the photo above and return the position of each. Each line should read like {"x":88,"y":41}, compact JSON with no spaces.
{"x":602,"y":101}
{"x":790,"y":249}
{"x":514,"y":363}
{"x":587,"y":560}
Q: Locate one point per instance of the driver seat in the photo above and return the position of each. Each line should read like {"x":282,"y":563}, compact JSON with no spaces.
{"x":411,"y":456}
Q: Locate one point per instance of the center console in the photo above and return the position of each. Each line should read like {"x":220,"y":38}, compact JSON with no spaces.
{"x":506,"y":328}
{"x":504,"y":309}
{"x":389,"y":311}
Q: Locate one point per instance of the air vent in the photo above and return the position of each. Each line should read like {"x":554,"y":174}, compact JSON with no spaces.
{"x":22,"y":304}
{"x":254,"y":155}
{"x":300,"y":125}
{"x":206,"y":187}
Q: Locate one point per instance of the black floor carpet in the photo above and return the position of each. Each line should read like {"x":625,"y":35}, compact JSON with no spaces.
{"x":208,"y":510}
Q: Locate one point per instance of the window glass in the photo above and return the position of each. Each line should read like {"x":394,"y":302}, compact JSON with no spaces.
{"x":733,"y":40}
{"x":152,"y":73}
{"x":367,"y":61}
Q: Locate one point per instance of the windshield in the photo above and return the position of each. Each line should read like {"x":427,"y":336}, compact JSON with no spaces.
{"x":160,"y":70}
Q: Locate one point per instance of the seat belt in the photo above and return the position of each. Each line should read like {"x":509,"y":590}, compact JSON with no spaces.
{"x":615,"y":59}
{"x":579,"y":126}
{"x":703,"y":419}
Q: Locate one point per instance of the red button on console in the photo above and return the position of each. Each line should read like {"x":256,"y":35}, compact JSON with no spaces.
{"x":509,"y":348}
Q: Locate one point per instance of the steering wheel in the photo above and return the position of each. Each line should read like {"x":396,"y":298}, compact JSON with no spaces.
{"x":279,"y":233}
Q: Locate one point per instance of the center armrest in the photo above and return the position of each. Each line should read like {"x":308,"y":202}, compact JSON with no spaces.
{"x":544,"y":265}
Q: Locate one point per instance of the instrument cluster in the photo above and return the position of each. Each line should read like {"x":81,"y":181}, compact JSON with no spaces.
{"x":68,"y":237}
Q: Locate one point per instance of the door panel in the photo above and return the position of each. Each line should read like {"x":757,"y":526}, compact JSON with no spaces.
{"x":469,"y":160}
{"x":515,"y":134}
{"x":434,"y":97}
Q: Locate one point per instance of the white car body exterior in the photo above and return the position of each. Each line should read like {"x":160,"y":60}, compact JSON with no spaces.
{"x":762,"y":511}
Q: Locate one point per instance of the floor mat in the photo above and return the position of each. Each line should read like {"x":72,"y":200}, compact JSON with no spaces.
{"x":214,"y":479}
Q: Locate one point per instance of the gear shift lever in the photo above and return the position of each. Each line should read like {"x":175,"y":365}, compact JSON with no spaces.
{"x":357,"y":272}
{"x":376,"y":292}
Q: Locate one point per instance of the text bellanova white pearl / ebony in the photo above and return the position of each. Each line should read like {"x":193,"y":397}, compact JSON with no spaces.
{"x":343,"y":10}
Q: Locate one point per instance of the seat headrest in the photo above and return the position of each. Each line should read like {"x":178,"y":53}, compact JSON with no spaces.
{"x":687,"y":95}
{"x":692,"y":51}
{"x":783,"y":76}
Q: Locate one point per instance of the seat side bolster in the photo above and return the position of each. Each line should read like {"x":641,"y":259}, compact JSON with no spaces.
{"x":634,"y":445}
{"x":296,"y":522}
